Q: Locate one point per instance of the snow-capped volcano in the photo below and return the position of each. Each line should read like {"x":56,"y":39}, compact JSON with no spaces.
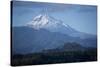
{"x":39,"y":21}
{"x":46,"y":32}
{"x":44,"y":21}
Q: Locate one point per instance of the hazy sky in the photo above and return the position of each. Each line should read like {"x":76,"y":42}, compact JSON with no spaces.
{"x":80,"y":17}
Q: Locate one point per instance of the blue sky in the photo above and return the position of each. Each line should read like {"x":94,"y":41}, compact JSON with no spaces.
{"x":80,"y":17}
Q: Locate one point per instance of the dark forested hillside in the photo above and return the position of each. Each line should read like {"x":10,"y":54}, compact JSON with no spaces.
{"x":58,"y":55}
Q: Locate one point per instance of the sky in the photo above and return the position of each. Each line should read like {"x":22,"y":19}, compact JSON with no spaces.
{"x":80,"y":17}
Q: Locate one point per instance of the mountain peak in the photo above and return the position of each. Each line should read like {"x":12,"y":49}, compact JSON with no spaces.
{"x":39,"y":21}
{"x":45,"y":21}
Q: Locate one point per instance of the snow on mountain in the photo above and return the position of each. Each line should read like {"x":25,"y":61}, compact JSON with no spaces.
{"x":49,"y":23}
{"x":38,"y":22}
{"x":44,"y":21}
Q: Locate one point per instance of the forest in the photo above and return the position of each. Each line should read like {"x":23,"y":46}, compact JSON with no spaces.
{"x":70,"y":52}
